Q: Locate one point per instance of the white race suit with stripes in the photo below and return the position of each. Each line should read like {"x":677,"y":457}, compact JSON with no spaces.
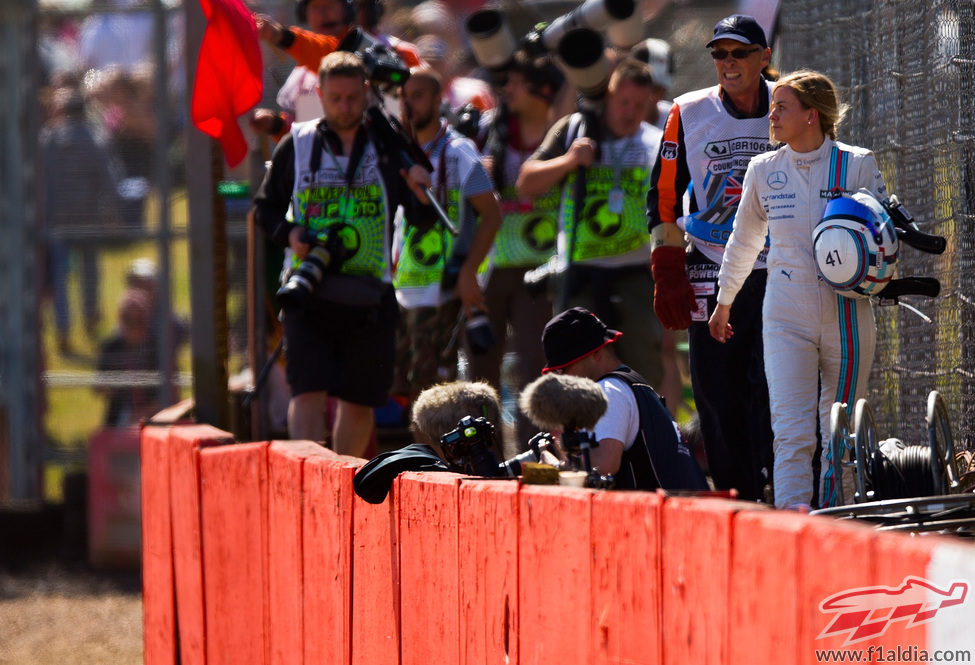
{"x":815,"y":340}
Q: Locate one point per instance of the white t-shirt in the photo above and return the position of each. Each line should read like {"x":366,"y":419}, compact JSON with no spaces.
{"x":622,"y":418}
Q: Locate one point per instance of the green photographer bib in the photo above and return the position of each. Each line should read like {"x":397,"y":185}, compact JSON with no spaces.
{"x":613,"y":218}
{"x":528,"y":230}
{"x":357,"y":214}
{"x":331,"y":201}
{"x":424,"y":254}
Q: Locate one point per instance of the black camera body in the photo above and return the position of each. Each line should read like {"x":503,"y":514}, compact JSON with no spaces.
{"x":577,"y":443}
{"x":327,"y":253}
{"x":470,"y":448}
{"x":383,"y":65}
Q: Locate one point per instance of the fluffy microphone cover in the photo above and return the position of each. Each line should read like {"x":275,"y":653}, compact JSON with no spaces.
{"x":561,"y":401}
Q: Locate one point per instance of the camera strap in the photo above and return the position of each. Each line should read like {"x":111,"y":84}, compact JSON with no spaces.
{"x":579,"y":125}
{"x":352,"y":167}
{"x":440,"y":141}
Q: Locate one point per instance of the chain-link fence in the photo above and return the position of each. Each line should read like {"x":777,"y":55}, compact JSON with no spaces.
{"x":907,"y":70}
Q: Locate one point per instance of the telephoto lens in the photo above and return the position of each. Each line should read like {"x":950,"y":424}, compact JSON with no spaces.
{"x":304,"y":280}
{"x":480,"y":334}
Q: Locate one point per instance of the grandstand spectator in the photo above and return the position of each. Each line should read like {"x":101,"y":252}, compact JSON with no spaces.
{"x":79,"y":186}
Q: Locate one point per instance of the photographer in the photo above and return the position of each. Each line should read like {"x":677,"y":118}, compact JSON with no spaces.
{"x":638,"y":440}
{"x":436,"y":273}
{"x":526,"y":239}
{"x":328,"y":22}
{"x":603,"y":242}
{"x":436,"y":413}
{"x":334,"y":178}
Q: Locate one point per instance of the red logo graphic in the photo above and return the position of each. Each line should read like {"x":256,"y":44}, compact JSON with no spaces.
{"x":868,"y":611}
{"x":732,"y":191}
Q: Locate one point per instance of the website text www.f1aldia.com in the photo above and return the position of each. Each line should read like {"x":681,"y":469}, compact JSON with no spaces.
{"x":900,"y":654}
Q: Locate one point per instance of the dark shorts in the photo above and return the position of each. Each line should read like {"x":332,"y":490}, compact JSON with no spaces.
{"x":345,"y":350}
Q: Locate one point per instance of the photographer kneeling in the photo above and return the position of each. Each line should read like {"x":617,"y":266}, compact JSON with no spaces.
{"x":464,"y":414}
{"x":638,"y":440}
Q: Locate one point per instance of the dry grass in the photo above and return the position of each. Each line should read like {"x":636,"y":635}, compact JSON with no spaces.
{"x":52,"y":615}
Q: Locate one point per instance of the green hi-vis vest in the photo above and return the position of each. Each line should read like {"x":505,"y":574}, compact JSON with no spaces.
{"x":528,"y":230}
{"x":599,"y":231}
{"x":325,"y":203}
{"x":425,"y":252}
{"x":530,"y":225}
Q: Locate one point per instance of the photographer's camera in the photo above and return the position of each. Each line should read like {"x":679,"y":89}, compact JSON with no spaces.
{"x":327,"y":253}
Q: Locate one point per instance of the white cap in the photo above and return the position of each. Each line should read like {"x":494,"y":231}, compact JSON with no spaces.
{"x":656,"y":53}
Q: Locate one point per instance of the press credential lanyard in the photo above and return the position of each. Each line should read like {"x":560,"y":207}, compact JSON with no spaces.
{"x":346,"y":204}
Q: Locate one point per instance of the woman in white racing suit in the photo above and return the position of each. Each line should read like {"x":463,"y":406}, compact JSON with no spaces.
{"x":816,"y":341}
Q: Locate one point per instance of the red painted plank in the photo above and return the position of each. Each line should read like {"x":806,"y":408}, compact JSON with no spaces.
{"x":327,"y":555}
{"x":626,"y":622}
{"x":184,"y":477}
{"x":763,"y":615}
{"x":375,"y":580}
{"x":158,"y":591}
{"x":554,"y":575}
{"x":428,"y":568}
{"x":898,"y":556}
{"x":285,"y":576}
{"x":114,"y":515}
{"x":488,"y":572}
{"x":696,"y":550}
{"x":233,"y":502}
{"x":836,"y":556}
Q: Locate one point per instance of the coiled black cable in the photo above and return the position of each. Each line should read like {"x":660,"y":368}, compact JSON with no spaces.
{"x":900,"y":471}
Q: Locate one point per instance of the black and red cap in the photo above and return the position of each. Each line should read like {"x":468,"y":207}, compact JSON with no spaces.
{"x":572,"y":335}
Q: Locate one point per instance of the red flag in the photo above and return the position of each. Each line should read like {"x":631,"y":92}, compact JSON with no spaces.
{"x":228,"y":75}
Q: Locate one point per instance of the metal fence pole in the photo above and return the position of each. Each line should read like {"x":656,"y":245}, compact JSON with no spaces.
{"x":207,"y":304}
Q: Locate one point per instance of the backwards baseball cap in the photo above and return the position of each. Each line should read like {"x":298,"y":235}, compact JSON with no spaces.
{"x":741,"y":28}
{"x":573,"y":335}
{"x":658,"y":56}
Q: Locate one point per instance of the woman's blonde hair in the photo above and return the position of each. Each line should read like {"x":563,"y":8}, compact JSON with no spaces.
{"x":816,"y":91}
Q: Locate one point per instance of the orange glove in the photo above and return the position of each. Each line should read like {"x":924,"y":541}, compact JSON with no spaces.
{"x":673,"y":297}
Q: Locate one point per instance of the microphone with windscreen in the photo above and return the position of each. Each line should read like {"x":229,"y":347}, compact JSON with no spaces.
{"x":572,"y":404}
{"x":563,"y":402}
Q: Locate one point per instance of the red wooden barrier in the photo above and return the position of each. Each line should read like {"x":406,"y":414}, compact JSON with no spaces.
{"x":286,"y":460}
{"x":765,"y":562}
{"x":158,"y":592}
{"x":626,"y":623}
{"x":488,"y":572}
{"x":554,"y":576}
{"x":897,"y":558}
{"x":327,"y":545}
{"x":233,"y":501}
{"x":428,"y":568}
{"x":836,"y":556}
{"x":375,"y":582}
{"x":258,"y":553}
{"x":696,"y":550}
{"x":184,"y":478}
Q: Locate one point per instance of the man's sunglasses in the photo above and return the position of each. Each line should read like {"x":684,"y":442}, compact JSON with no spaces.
{"x":737,"y":54}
